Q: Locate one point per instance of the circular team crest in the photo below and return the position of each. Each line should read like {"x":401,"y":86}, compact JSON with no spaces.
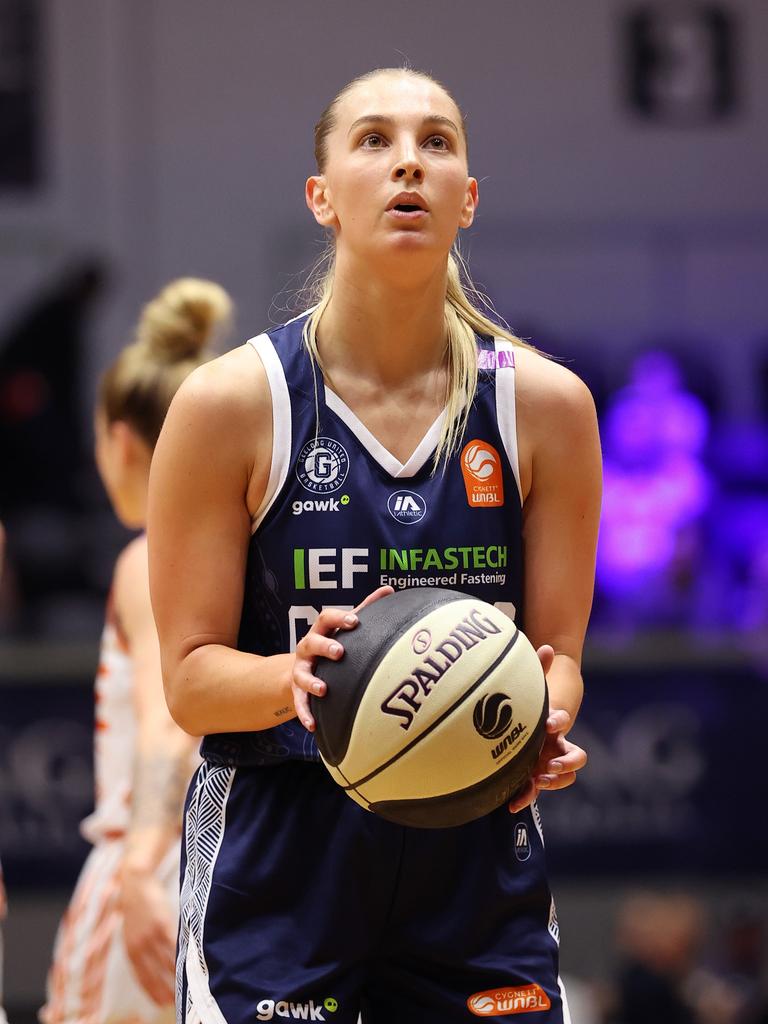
{"x":322,"y":465}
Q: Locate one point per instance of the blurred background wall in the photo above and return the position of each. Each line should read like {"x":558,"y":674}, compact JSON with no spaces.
{"x":622,"y":154}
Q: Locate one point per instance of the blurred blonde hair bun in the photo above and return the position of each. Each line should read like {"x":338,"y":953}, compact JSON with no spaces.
{"x":183,"y":319}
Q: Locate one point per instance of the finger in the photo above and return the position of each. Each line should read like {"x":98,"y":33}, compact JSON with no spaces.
{"x":523,"y":797}
{"x":301,"y":703}
{"x":558,"y":720}
{"x":375,"y":596}
{"x":546,"y":657}
{"x":571,"y":761}
{"x":555,"y":781}
{"x":331,"y":619}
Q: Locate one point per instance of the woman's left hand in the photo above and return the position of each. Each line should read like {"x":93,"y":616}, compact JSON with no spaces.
{"x":559,"y":759}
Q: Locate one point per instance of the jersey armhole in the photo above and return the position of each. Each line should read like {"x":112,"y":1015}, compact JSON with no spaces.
{"x":506,"y":415}
{"x":281,"y":424}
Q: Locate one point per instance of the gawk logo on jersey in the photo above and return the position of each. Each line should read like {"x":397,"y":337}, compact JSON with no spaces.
{"x":322,"y":465}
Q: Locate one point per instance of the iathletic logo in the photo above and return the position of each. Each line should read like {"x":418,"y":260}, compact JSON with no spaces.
{"x":407,"y":507}
{"x":522,"y":842}
{"x":502,"y":1002}
{"x":322,"y":465}
{"x":269,"y":1009}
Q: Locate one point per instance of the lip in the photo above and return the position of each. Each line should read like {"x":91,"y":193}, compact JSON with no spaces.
{"x":408,"y":199}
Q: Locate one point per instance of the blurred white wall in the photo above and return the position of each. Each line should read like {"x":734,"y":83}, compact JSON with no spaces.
{"x":179,"y":135}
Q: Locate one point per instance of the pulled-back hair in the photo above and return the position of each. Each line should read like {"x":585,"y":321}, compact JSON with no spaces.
{"x":173,"y":337}
{"x":463,"y":316}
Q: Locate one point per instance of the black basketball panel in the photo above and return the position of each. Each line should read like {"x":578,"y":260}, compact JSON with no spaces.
{"x":364,"y":647}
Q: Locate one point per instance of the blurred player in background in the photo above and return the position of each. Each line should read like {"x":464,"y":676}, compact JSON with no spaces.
{"x":115,"y":950}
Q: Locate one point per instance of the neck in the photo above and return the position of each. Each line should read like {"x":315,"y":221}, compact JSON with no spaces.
{"x":390,"y":331}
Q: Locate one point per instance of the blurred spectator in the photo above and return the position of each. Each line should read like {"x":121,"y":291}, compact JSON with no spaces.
{"x":731,"y":991}
{"x":657,"y":489}
{"x":658,"y":939}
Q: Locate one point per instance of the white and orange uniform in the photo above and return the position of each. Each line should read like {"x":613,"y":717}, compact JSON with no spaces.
{"x":91,"y":980}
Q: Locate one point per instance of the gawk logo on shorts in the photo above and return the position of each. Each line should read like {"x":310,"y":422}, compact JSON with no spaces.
{"x":282,"y":1009}
{"x":502,"y":1002}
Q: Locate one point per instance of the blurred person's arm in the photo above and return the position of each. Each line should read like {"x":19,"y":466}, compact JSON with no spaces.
{"x":162,"y":769}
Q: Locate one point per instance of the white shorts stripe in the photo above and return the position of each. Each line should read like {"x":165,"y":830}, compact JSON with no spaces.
{"x":206,"y":820}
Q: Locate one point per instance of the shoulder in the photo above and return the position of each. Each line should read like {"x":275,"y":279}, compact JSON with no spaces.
{"x":233,"y":386}
{"x":549,"y":395}
{"x":131,"y":571}
{"x":130,"y":586}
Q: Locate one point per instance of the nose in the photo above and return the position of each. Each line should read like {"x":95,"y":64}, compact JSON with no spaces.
{"x":408,"y":166}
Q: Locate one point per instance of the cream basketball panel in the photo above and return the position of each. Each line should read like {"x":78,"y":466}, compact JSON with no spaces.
{"x":454,"y":755}
{"x":420,"y":677}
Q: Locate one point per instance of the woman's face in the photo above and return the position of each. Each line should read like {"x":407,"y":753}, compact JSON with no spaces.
{"x":396,"y":175}
{"x":112,"y":450}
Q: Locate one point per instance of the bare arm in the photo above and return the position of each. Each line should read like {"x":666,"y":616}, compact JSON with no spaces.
{"x":162,"y":767}
{"x":209,"y":474}
{"x":560,"y":522}
{"x":164,"y":754}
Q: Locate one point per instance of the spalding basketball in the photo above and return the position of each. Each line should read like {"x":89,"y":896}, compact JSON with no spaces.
{"x":436,"y":713}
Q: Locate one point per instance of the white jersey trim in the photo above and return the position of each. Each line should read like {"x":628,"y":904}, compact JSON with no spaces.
{"x":376,"y":449}
{"x":564,"y":1000}
{"x":281,"y":424}
{"x":506,"y":416}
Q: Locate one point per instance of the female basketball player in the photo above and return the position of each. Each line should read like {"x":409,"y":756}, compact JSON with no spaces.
{"x":114,"y":954}
{"x":270,"y":522}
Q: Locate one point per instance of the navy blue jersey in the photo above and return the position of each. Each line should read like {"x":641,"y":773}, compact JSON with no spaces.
{"x":342,"y":516}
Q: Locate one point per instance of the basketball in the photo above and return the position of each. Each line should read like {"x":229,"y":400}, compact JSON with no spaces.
{"x":435,"y":715}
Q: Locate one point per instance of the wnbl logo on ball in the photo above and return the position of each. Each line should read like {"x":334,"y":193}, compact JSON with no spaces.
{"x":322,"y":465}
{"x":493,"y":716}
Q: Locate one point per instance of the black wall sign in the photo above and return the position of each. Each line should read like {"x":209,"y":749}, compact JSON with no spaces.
{"x":681,"y":62}
{"x":19,"y":93}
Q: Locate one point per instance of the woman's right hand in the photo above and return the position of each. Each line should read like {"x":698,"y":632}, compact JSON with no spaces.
{"x":322,"y":642}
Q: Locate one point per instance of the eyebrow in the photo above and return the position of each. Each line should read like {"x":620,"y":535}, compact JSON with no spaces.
{"x":383,"y":119}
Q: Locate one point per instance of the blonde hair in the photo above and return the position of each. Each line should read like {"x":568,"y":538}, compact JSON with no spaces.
{"x":463,"y":316}
{"x":173,"y":336}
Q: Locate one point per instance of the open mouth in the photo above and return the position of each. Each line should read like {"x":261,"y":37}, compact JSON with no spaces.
{"x":408,"y":208}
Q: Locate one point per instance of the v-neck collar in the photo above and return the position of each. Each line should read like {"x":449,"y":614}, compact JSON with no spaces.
{"x":376,"y":449}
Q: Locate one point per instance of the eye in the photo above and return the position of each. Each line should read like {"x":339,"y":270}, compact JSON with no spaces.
{"x":372,"y":141}
{"x":437,"y":142}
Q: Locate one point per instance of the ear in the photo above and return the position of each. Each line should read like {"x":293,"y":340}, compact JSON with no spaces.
{"x":129,"y":447}
{"x":318,"y":200}
{"x":471,"y":201}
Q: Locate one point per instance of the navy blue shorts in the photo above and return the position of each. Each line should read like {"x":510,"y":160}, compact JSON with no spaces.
{"x":299,"y":905}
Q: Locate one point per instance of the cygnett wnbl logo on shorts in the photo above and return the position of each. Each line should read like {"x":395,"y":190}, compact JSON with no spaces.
{"x":407,"y":507}
{"x":500,"y":1002}
{"x":322,"y":465}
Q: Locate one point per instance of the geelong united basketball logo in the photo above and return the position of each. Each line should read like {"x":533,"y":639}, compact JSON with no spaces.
{"x":483,"y":479}
{"x":322,"y":465}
